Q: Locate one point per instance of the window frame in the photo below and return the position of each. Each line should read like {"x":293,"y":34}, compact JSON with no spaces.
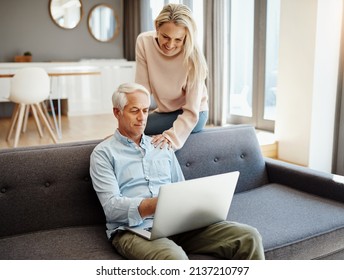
{"x":258,"y":82}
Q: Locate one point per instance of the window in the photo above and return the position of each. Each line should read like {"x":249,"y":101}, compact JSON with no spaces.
{"x":252,"y":61}
{"x":271,"y":62}
{"x":241,"y":36}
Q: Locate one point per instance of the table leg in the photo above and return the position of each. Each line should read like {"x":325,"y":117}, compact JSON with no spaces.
{"x":56,"y":122}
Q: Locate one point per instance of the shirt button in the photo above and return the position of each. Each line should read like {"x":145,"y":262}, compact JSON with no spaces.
{"x":147,"y":178}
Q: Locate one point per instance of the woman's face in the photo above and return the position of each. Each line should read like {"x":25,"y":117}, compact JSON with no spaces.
{"x":171,"y":38}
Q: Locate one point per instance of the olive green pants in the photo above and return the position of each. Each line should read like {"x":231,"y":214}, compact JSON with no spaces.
{"x":224,"y":240}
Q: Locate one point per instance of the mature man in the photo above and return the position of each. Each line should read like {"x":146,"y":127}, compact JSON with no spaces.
{"x":127,"y":170}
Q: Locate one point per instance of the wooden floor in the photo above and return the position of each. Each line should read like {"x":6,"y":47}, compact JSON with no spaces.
{"x":79,"y":128}
{"x":74,"y":128}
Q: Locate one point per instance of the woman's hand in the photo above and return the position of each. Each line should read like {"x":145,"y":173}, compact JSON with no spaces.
{"x":160,"y":141}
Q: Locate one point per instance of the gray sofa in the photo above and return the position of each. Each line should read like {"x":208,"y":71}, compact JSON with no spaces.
{"x":49,"y":210}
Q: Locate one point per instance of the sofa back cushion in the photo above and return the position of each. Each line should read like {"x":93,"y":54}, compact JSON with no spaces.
{"x":219,"y":150}
{"x":47,"y":187}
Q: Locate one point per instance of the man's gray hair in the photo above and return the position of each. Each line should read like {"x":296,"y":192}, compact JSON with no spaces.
{"x":119,"y":97}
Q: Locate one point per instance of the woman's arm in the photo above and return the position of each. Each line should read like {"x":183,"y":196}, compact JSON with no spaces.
{"x":185,"y":122}
{"x":141,"y":74}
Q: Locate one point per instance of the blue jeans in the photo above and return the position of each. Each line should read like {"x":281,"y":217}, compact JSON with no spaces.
{"x":157,"y":123}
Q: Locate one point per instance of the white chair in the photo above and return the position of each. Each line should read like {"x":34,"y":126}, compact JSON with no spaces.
{"x":30,"y":86}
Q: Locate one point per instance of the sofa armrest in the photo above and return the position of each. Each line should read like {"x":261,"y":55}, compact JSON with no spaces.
{"x":305,"y":179}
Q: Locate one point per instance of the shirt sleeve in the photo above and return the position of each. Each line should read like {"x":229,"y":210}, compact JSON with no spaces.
{"x":117,"y":208}
{"x":176,"y":171}
{"x":141,"y":75}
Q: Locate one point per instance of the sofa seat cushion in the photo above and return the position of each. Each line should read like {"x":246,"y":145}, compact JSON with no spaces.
{"x":293,"y":224}
{"x":74,"y":243}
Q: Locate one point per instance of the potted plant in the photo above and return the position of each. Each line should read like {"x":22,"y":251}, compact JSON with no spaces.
{"x":26,"y":57}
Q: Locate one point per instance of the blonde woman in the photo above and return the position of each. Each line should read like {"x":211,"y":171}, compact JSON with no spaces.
{"x":171,"y":66}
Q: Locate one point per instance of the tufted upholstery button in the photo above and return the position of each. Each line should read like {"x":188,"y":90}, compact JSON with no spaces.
{"x":242,"y":155}
{"x":3,"y":190}
{"x":216,"y":159}
{"x":187,"y":164}
{"x":47,"y":184}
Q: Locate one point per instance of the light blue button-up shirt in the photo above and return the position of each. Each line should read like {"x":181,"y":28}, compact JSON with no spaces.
{"x":123,"y":174}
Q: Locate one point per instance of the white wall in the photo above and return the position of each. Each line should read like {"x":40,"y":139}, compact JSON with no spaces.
{"x":325,"y":83}
{"x":296,"y":53}
{"x":307,"y":80}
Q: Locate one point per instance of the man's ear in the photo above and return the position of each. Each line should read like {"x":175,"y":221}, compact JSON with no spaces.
{"x":116,"y":112}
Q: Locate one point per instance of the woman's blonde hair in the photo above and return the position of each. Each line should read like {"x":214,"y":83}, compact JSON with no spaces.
{"x":181,"y":15}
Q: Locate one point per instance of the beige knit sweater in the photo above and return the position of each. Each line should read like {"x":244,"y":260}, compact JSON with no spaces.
{"x":166,"y":78}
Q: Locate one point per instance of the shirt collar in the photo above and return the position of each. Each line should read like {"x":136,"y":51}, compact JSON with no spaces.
{"x":127,"y":141}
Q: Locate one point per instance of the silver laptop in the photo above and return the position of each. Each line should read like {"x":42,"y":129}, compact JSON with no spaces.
{"x":189,"y":205}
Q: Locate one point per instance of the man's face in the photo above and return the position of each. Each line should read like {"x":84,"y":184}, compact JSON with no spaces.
{"x":132,"y":120}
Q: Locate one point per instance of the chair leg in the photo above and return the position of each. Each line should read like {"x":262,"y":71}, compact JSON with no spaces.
{"x":26,"y":117}
{"x":38,"y":124}
{"x":19,"y":124}
{"x":45,"y":121}
{"x":46,"y":113}
{"x":13,"y":121}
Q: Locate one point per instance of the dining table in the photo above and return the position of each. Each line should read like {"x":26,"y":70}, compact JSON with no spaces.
{"x":55,"y":73}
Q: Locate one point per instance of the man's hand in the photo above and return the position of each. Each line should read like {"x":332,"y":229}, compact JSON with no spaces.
{"x":147,"y":207}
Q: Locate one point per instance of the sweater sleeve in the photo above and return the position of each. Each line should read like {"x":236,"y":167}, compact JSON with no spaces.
{"x":141,"y":74}
{"x":185,"y":122}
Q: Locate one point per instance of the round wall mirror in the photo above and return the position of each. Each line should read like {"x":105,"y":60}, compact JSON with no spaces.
{"x":66,"y":13}
{"x":103,"y":23}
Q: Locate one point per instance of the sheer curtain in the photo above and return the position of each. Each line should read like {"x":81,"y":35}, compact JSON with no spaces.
{"x":131,"y":27}
{"x":338,"y":150}
{"x":215,"y":36}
